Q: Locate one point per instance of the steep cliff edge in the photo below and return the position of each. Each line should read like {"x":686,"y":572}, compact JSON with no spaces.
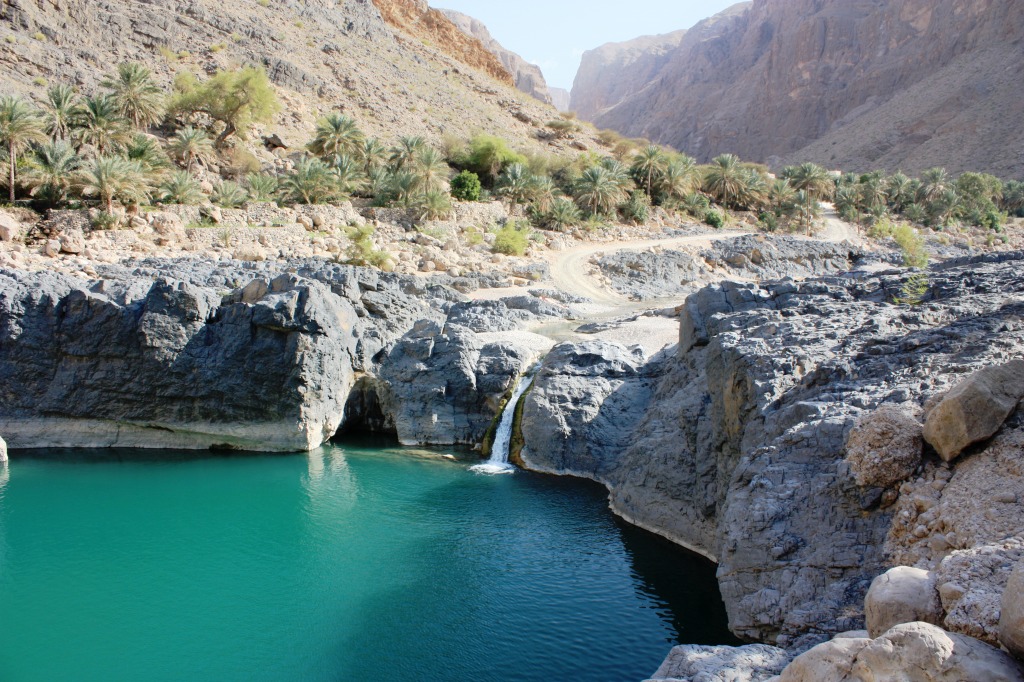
{"x":858,"y":85}
{"x":735,"y":444}
{"x":527,"y":77}
{"x":615,"y":71}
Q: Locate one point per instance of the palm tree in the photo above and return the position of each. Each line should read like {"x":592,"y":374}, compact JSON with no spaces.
{"x":807,"y":209}
{"x":754,"y":193}
{"x":724,"y":178}
{"x":261,"y":186}
{"x":812,"y":179}
{"x":677,"y":179}
{"x":873,"y":197}
{"x":113,"y":177}
{"x":51,"y":171}
{"x":312,"y":182}
{"x":618,"y":172}
{"x":780,"y":195}
{"x":945,"y":208}
{"x":60,"y":110}
{"x":934,"y":182}
{"x":101,"y":125}
{"x":648,"y":164}
{"x":147,"y":151}
{"x":514,"y":185}
{"x":563,"y":213}
{"x":432,"y":170}
{"x":348,"y":173}
{"x":20,"y":126}
{"x":190,"y":145}
{"x":405,"y":151}
{"x":404,"y":186}
{"x":228,"y":194}
{"x":1013,"y":197}
{"x":598,"y":191}
{"x":181,"y":188}
{"x":899,"y":190}
{"x":336,"y":134}
{"x":137,"y":97}
{"x":542,"y":192}
{"x":372,"y":153}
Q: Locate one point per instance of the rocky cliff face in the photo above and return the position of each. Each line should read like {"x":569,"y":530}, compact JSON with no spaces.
{"x":735,"y":444}
{"x":614,"y":72}
{"x":858,"y":85}
{"x":527,"y":77}
{"x":561,"y":99}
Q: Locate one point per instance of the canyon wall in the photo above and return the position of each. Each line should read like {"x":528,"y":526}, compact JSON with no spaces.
{"x":855,"y":85}
{"x":527,"y":77}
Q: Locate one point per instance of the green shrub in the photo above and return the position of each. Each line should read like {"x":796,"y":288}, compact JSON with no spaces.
{"x":912,"y":245}
{"x":768,"y":221}
{"x":512,"y":239}
{"x":435,"y":205}
{"x":104,"y":221}
{"x":466,"y":186}
{"x":715,"y":219}
{"x":489,"y":155}
{"x":362,"y":251}
{"x":229,"y":194}
{"x":882,"y":228}
{"x":913,"y":290}
{"x":262,"y":187}
{"x":637,"y":208}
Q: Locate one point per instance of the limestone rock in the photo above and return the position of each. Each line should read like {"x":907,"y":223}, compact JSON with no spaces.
{"x":1011,"y":620}
{"x":52,"y":248}
{"x":72,"y":242}
{"x":10,"y":229}
{"x":753,"y":663}
{"x":3,"y":451}
{"x":829,"y":662}
{"x":911,"y":652}
{"x":920,"y":651}
{"x":975,"y":409}
{"x":902,"y":595}
{"x":884,"y":447}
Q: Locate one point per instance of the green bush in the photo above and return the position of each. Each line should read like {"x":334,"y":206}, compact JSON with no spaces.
{"x":512,"y":239}
{"x":715,"y":219}
{"x":637,"y":208}
{"x":912,"y":245}
{"x":362,"y":252}
{"x":466,"y":186}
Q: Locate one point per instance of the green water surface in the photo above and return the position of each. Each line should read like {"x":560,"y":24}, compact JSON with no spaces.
{"x":350,"y":563}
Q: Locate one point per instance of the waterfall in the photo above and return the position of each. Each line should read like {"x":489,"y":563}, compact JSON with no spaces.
{"x":498,"y":463}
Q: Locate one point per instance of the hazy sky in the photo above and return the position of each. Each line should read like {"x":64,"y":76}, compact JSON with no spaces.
{"x":554,"y":33}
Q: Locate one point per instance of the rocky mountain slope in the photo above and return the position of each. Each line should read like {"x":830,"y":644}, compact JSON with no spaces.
{"x":399,"y":68}
{"x":858,"y":85}
{"x":614,"y":72}
{"x":527,"y":77}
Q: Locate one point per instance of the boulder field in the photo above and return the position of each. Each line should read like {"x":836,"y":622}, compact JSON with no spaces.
{"x":801,"y":433}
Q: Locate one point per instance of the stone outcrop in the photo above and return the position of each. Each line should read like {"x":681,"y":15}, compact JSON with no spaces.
{"x":725,"y":444}
{"x":10,"y":228}
{"x":753,"y":663}
{"x":527,"y":77}
{"x":913,"y":651}
{"x":901,"y":595}
{"x":613,"y":72}
{"x":875,"y":84}
{"x":974,"y":409}
{"x":175,"y":366}
{"x":884,"y":447}
{"x":645,"y":275}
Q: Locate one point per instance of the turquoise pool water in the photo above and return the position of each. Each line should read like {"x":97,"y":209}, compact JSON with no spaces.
{"x":351,"y":563}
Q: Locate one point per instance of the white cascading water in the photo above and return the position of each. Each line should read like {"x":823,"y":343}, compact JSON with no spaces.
{"x":498,"y":463}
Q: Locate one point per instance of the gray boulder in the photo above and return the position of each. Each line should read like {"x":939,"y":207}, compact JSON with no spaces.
{"x":975,"y":409}
{"x":442,"y":387}
{"x":902,"y":595}
{"x":10,"y":228}
{"x":695,"y":663}
{"x":884,"y":447}
{"x":912,"y":652}
{"x":1011,"y":619}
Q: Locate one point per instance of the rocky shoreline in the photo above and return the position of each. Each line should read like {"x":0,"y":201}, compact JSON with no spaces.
{"x":766,"y":439}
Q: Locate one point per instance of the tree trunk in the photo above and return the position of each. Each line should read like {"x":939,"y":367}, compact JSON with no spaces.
{"x":229,"y":130}
{"x":10,"y":151}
